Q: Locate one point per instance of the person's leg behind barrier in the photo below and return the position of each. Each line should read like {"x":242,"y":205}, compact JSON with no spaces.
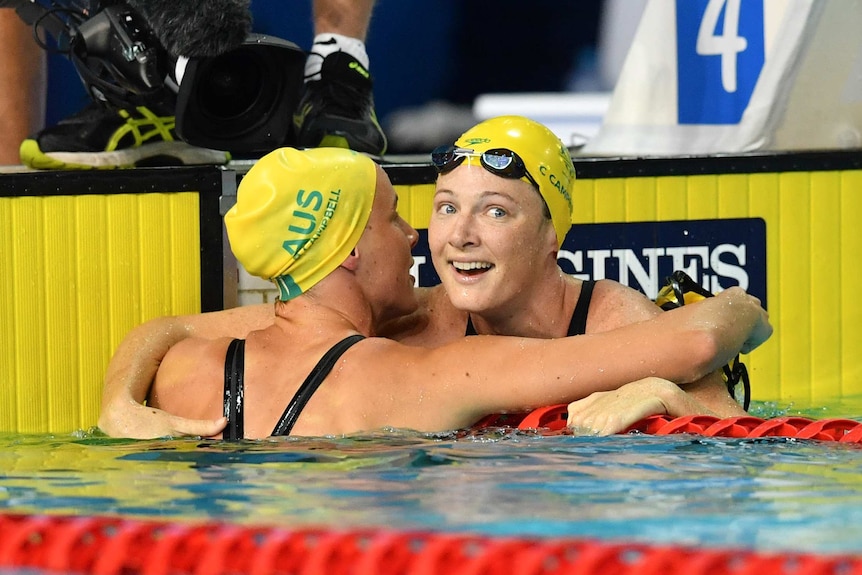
{"x":23,"y":75}
{"x":337,"y":106}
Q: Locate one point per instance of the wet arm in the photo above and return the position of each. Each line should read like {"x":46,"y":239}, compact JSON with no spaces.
{"x":620,"y":305}
{"x":456,"y":384}
{"x":609,"y":412}
{"x":134,"y":365}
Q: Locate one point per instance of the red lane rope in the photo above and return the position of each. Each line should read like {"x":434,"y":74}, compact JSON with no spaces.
{"x":113,"y":546}
{"x":553,"y":419}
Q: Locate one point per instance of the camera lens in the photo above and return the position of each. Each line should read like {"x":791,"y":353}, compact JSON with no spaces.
{"x":233,"y":87}
{"x":243,"y":100}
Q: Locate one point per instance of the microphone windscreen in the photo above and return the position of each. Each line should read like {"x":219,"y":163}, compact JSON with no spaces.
{"x":197,"y":29}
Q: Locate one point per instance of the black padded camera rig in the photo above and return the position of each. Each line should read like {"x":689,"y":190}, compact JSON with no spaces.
{"x":116,"y":54}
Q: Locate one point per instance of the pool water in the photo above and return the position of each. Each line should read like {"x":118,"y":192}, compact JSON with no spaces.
{"x":764,"y":494}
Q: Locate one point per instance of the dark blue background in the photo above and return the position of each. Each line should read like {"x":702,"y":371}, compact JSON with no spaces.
{"x":423,"y":51}
{"x":420,"y":27}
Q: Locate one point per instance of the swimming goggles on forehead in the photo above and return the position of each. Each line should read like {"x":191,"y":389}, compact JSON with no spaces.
{"x":499,"y":161}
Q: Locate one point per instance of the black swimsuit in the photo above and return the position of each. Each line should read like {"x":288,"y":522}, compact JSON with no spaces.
{"x":578,"y":323}
{"x":234,"y":368}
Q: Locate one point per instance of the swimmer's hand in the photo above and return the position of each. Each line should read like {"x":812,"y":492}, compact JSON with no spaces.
{"x":749,"y":311}
{"x":138,"y":421}
{"x":610,"y":412}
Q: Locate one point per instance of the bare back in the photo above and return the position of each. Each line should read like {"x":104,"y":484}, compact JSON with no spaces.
{"x":186,"y":381}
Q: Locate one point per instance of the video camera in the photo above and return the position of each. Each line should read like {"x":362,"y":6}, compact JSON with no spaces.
{"x":241,"y":100}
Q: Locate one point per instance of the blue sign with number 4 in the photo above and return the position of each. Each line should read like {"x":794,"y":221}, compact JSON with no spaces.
{"x":720,"y":54}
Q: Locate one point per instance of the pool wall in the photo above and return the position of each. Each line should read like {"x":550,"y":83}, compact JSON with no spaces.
{"x":87,"y":256}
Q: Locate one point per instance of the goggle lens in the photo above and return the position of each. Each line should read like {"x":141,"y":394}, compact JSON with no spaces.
{"x":499,"y":161}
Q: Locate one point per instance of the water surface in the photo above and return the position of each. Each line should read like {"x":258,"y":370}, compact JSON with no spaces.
{"x":765,"y":494}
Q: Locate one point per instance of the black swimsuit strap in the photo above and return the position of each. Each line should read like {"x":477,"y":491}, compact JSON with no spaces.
{"x":471,"y":330}
{"x":578,"y":324}
{"x":311,"y":383}
{"x":234,"y":369}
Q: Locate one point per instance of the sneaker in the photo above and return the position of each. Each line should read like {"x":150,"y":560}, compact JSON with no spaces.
{"x":103,"y":138}
{"x":337,"y":111}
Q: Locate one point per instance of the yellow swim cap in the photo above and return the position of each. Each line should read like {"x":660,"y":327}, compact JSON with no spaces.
{"x":546,"y":158}
{"x":299,"y":214}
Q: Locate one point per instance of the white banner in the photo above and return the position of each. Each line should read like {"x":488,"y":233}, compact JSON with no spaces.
{"x":723,"y":76}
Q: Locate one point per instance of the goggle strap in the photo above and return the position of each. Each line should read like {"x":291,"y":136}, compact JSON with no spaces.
{"x":677,"y":286}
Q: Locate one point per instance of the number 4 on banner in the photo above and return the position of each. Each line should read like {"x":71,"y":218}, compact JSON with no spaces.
{"x":720,"y":54}
{"x":728,"y":44}
{"x":727,"y":76}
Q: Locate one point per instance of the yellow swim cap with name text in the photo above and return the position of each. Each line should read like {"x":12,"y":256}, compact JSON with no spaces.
{"x":299,"y":213}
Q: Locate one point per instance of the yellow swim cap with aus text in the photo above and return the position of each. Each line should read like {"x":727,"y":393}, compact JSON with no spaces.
{"x":299,"y":213}
{"x":546,"y":158}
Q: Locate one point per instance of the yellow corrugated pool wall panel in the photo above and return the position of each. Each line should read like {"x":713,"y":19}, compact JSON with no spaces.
{"x":813,"y":242}
{"x":414,"y":204}
{"x":62,"y":319}
{"x":845,"y":288}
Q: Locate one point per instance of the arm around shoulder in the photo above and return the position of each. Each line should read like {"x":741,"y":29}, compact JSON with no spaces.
{"x":454,"y":385}
{"x":126,"y":417}
{"x":134,"y":365}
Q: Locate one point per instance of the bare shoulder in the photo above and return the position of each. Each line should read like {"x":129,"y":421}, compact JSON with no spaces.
{"x":232,"y":322}
{"x":399,"y":372}
{"x":434,"y":323}
{"x":380,"y":355}
{"x":367,"y":389}
{"x":437,"y":303}
{"x":196,"y":349}
{"x":615,"y":305}
{"x":189,"y":377}
{"x":388,"y":383}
